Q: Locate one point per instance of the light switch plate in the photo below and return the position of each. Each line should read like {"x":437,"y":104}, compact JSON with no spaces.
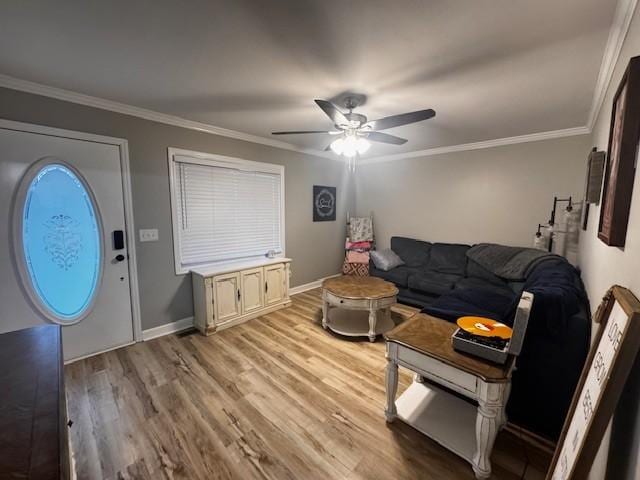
{"x":149,"y":235}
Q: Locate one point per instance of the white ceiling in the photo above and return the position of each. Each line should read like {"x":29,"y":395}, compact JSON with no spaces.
{"x":490,"y":68}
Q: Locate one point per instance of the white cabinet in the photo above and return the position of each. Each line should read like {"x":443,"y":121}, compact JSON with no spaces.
{"x":276,"y":283}
{"x":252,"y":287}
{"x":225,"y":295}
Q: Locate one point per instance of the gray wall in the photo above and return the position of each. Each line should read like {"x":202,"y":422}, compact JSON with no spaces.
{"x":603,"y":266}
{"x":316,"y":248}
{"x":497,"y":194}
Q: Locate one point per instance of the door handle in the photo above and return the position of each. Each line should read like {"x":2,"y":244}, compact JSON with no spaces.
{"x":266,"y":287}
{"x":238,"y":294}
{"x":119,"y":258}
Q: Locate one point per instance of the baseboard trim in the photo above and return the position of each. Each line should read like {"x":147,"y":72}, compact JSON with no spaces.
{"x":99,"y":352}
{"x":531,"y":438}
{"x":311,"y":285}
{"x":185,"y":323}
{"x":167,"y":329}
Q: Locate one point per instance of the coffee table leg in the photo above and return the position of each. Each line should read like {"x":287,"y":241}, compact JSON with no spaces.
{"x":325,"y":313}
{"x":390,"y":411}
{"x":490,"y":410}
{"x":503,"y":413}
{"x":373,"y":318}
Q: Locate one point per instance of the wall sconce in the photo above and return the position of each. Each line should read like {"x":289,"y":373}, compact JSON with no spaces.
{"x":559,"y":236}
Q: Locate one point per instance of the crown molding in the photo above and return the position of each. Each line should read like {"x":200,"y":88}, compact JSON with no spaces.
{"x":617,"y":33}
{"x":498,"y":142}
{"x":101,"y":103}
{"x":96,"y":102}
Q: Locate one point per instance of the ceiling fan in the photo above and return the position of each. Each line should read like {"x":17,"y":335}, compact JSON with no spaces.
{"x":354,"y":129}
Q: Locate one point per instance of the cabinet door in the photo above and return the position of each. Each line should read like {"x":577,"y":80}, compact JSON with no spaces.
{"x":275,"y":285}
{"x":251,"y":290}
{"x":226,"y":297}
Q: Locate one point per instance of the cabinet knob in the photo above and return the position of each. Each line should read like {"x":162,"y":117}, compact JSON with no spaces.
{"x":238,"y":294}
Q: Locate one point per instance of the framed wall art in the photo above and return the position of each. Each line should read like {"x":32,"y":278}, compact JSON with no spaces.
{"x":624,"y":133}
{"x":324,"y":203}
{"x":603,"y":379}
{"x":593,"y":182}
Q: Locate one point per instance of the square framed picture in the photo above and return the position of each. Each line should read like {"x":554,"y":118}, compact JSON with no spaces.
{"x":624,"y":133}
{"x":324,"y":203}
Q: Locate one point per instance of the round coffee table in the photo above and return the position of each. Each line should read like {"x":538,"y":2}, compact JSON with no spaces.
{"x":371,"y":294}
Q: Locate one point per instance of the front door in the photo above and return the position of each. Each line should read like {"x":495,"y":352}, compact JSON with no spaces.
{"x":63,"y":258}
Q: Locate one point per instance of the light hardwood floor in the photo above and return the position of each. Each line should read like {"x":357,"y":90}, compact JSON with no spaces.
{"x":274,"y":398}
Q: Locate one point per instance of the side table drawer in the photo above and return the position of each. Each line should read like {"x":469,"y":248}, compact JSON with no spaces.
{"x":438,"y":371}
{"x":346,"y":302}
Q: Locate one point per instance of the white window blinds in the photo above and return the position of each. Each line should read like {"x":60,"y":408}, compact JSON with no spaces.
{"x":224,"y":213}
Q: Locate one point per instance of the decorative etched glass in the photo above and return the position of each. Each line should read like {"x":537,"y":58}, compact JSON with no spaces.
{"x":61,"y":240}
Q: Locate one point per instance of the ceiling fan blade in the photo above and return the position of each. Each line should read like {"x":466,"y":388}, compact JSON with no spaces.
{"x":386,"y":138}
{"x":402,"y":119}
{"x":298,"y":132}
{"x":336,"y":116}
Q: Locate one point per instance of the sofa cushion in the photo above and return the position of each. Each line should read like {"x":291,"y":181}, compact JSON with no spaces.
{"x":475,"y":270}
{"x":479,"y":301}
{"x":386,"y":259}
{"x":471,"y":282}
{"x":433,"y":283}
{"x":415,"y":299}
{"x":448,"y":258}
{"x":414,"y":253}
{"x":397,"y":276}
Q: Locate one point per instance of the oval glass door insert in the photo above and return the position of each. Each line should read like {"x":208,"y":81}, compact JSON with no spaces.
{"x":61,"y":239}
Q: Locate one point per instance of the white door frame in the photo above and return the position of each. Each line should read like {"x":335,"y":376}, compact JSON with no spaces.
{"x":123,"y":146}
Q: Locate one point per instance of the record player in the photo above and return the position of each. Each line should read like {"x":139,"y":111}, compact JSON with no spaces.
{"x":493,"y":340}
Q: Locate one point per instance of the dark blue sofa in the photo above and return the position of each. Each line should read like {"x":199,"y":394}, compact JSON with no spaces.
{"x":440,"y":279}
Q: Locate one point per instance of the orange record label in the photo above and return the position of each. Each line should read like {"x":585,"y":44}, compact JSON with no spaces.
{"x":484,"y":327}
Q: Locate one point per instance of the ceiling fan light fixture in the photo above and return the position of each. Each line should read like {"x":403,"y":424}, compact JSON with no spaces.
{"x":355,"y":132}
{"x":350,"y":145}
{"x":337,"y":145}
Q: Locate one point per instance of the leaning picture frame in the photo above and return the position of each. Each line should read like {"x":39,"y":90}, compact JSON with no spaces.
{"x":601,"y":383}
{"x":624,"y":133}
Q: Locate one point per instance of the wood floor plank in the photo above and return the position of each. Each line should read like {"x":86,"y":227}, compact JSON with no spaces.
{"x":275,"y":398}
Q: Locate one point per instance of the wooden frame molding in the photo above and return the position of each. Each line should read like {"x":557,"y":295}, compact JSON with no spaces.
{"x":123,"y":146}
{"x":622,"y":148}
{"x":214,"y":160}
{"x":603,"y":379}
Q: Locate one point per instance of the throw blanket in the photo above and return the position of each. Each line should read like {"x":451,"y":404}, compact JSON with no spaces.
{"x":358,"y":257}
{"x":510,"y":263}
{"x":358,"y":246}
{"x":361,"y":229}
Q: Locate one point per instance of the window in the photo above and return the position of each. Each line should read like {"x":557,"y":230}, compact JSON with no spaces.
{"x":61,"y":242}
{"x":224,"y":209}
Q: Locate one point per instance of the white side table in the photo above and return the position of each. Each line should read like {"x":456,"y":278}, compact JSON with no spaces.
{"x":423,"y":344}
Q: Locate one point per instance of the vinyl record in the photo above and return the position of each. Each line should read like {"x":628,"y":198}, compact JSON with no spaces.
{"x":484,"y":327}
